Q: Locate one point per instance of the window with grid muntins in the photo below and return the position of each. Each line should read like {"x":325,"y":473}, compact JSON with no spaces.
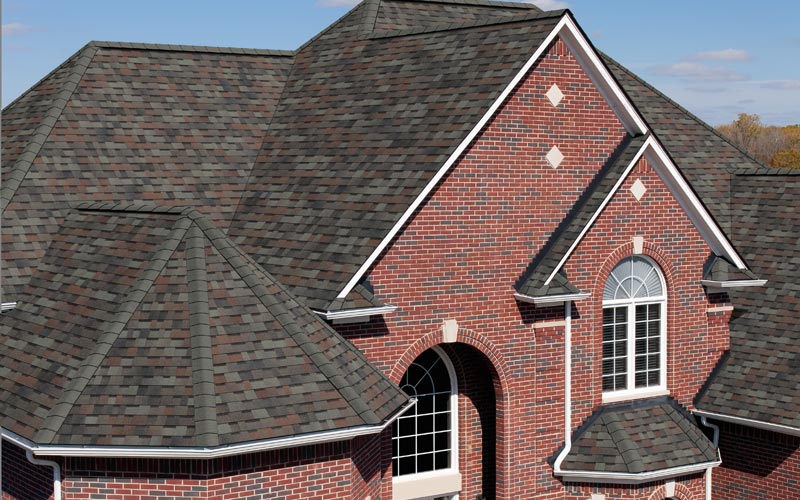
{"x":634,"y":300}
{"x":422,"y":436}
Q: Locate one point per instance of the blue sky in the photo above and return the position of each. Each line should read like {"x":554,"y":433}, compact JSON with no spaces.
{"x":717,"y":58}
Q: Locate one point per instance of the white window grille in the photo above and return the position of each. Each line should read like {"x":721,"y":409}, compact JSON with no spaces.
{"x":634,"y":329}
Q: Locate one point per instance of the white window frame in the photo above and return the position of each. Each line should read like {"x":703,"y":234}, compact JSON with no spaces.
{"x":644,"y":392}
{"x":442,"y":482}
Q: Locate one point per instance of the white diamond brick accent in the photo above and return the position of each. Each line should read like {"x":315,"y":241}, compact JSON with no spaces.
{"x":554,"y":157}
{"x":554,"y":95}
{"x":638,"y":189}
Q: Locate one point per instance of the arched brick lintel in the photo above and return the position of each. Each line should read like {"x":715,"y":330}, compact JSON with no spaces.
{"x":682,"y":492}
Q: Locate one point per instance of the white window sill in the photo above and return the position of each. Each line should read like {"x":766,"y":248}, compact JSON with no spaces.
{"x":619,"y":396}
{"x":427,"y":484}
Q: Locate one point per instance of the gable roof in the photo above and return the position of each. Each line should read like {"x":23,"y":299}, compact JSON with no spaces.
{"x":759,"y":378}
{"x":152,"y":322}
{"x":118,"y":121}
{"x":358,"y":135}
{"x":643,"y":439}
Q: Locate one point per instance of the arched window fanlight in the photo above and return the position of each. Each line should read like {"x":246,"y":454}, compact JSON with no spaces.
{"x":423,"y":437}
{"x":634,"y":334}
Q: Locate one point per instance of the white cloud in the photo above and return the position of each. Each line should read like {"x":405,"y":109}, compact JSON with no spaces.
{"x":15,"y":29}
{"x":721,"y":55}
{"x":337,"y":3}
{"x":693,"y":72}
{"x":782,"y":85}
{"x":549,"y":4}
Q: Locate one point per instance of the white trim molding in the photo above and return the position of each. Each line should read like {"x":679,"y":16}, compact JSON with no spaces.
{"x":552,"y":299}
{"x":758,"y":424}
{"x":7,"y":306}
{"x":732,"y":284}
{"x":680,"y":189}
{"x":356,"y":313}
{"x":568,"y":30}
{"x":637,"y":478}
{"x":190,"y":452}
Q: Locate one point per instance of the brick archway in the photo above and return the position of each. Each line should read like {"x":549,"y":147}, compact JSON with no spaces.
{"x":681,"y":492}
{"x":497,"y":366}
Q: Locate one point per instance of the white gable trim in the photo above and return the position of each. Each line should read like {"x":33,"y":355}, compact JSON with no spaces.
{"x":568,"y":30}
{"x":680,"y":189}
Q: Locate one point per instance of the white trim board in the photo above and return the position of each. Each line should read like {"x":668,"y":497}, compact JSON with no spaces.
{"x":631,"y":478}
{"x":220,"y":451}
{"x":680,"y":189}
{"x":589,"y":60}
{"x":746,"y":422}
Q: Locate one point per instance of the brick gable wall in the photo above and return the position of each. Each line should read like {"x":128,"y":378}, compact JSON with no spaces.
{"x":462,"y":252}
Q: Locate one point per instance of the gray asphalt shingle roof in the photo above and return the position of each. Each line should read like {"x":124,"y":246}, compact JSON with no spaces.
{"x":760,"y":379}
{"x":633,"y":438}
{"x":146,"y":326}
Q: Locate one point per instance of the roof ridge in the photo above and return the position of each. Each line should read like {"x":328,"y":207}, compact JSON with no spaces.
{"x":133,"y":207}
{"x":483,"y":3}
{"x":19,"y":170}
{"x":203,"y":388}
{"x":189,"y":48}
{"x":538,"y":15}
{"x":623,"y":443}
{"x":84,"y":373}
{"x":605,"y":56}
{"x":238,"y":259}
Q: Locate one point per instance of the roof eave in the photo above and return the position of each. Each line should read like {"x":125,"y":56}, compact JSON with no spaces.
{"x":552,"y":299}
{"x":203,"y":452}
{"x":732,"y":283}
{"x":635,"y":478}
{"x":758,"y":424}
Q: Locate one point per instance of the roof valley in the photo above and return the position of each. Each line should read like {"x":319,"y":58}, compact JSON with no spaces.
{"x":125,"y":311}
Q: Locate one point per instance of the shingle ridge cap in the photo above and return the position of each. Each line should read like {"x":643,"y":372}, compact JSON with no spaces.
{"x":340,"y":381}
{"x":105,"y":44}
{"x":135,"y":207}
{"x":442,"y":27}
{"x":80,"y":62}
{"x":204,"y":394}
{"x":684,"y":110}
{"x":769,"y":172}
{"x":86,"y":370}
{"x":483,"y":3}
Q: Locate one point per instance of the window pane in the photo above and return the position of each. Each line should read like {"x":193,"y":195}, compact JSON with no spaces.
{"x":621,"y":314}
{"x":608,"y":332}
{"x":421,"y":440}
{"x":653,"y":378}
{"x":641,"y":379}
{"x":608,"y":383}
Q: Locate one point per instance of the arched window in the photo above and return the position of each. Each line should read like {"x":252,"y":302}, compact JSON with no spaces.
{"x":424,"y":438}
{"x":634,"y":329}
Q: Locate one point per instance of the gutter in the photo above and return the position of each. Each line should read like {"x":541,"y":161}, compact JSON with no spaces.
{"x":552,"y":299}
{"x":7,"y":306}
{"x":203,"y":453}
{"x":758,"y":424}
{"x":356,"y":313}
{"x":25,"y":444}
{"x":732,"y":284}
{"x":637,"y":478}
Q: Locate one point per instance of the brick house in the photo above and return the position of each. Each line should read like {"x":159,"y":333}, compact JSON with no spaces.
{"x":445,"y":249}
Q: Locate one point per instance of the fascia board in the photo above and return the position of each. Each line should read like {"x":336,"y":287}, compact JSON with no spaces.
{"x":732,"y":284}
{"x":630,"y":478}
{"x":569,"y":31}
{"x":552,"y":299}
{"x":758,"y":424}
{"x":202,"y":453}
{"x":357,"y":313}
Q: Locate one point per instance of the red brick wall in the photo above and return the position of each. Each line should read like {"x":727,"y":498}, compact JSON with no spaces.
{"x":322,"y":472}
{"x":689,"y":488}
{"x":757,"y":465}
{"x":461,"y":253}
{"x":23,"y":480}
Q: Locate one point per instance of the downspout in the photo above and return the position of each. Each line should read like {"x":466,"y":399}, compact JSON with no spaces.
{"x":56,"y":472}
{"x":715,"y":441}
{"x":567,"y":388}
{"x":35,"y":461}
